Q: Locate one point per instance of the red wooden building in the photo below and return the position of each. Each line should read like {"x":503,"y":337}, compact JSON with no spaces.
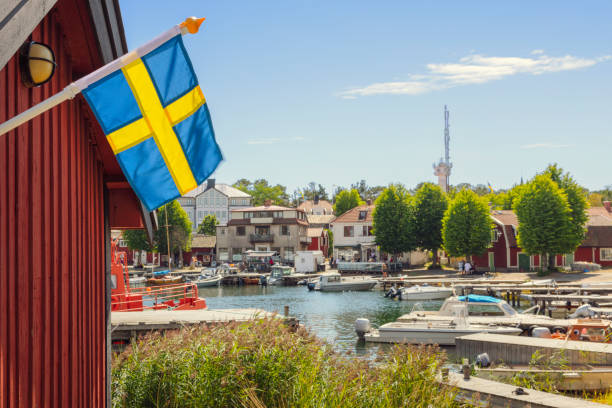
{"x":61,"y":190}
{"x":504,"y":253}
{"x":319,"y":240}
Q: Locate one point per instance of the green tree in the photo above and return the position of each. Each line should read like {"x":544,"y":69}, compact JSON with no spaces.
{"x":577,"y":201}
{"x":545,"y":219}
{"x":430,"y":203}
{"x":466,"y":226}
{"x":595,"y":199}
{"x":208,"y":226}
{"x":179,"y":229}
{"x":346,"y":200}
{"x":392,"y":221}
{"x":137,"y":240}
{"x":261,"y":191}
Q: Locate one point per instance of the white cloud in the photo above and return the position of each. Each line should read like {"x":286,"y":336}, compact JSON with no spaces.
{"x":545,"y":145}
{"x":473,"y":69}
{"x":274,"y":140}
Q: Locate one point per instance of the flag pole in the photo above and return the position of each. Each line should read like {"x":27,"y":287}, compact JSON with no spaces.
{"x":191,"y":25}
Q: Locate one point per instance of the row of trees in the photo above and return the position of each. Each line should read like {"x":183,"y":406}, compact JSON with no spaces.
{"x":551,"y":209}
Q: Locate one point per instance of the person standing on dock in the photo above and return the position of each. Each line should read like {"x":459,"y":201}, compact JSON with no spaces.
{"x":468,"y":267}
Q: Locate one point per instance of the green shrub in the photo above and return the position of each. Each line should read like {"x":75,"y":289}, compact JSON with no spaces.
{"x":263,"y":364}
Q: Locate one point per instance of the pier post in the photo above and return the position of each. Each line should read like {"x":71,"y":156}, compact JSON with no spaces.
{"x":286,"y":311}
{"x":508,"y":296}
{"x":518,"y":299}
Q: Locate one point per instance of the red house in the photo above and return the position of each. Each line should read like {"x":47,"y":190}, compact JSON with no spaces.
{"x":319,"y":240}
{"x":504,"y":253}
{"x":61,"y":191}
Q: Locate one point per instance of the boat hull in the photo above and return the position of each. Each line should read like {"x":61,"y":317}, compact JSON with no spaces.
{"x":204,"y":283}
{"x":426,"y":295}
{"x":442,"y":337}
{"x":342,"y":287}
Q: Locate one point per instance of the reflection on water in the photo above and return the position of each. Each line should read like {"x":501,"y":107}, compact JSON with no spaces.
{"x":331,"y":316}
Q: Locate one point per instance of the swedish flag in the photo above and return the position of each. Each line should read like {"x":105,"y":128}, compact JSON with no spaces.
{"x":155,"y":118}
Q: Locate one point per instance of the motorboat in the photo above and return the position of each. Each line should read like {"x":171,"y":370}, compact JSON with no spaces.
{"x":204,"y":281}
{"x":484,"y":310}
{"x":334,"y":282}
{"x":420,"y":292}
{"x":165,"y":280}
{"x":277,"y":273}
{"x":442,"y":333}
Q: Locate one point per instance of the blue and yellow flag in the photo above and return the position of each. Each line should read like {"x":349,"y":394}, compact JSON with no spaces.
{"x":155,"y":119}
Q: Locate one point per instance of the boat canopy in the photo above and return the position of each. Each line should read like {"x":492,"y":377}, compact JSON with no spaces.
{"x":479,"y":299}
{"x":161,"y":273}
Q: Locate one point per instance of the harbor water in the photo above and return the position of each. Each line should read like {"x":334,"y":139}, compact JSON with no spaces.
{"x":331,"y":316}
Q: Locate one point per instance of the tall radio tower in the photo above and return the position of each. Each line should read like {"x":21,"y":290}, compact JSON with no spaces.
{"x":443,"y":168}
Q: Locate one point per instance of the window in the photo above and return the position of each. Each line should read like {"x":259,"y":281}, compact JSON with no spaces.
{"x":223,"y":255}
{"x":122,"y":243}
{"x":240,"y":231}
{"x":362,"y":215}
{"x":236,"y":251}
{"x":495,"y":235}
{"x":348,"y":231}
{"x":284,"y":230}
{"x":289,"y":253}
{"x":605,"y":254}
{"x":233,"y":201}
{"x":366,"y":230}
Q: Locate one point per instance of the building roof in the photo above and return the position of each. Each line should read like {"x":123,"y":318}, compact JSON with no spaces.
{"x":320,"y":219}
{"x":265,"y":208}
{"x":505,"y":217}
{"x":314,"y":232}
{"x":224,"y":189}
{"x":352,"y":216}
{"x":308,"y":206}
{"x":203,"y":241}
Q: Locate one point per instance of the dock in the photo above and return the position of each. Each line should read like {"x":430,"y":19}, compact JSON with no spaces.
{"x":128,"y":325}
{"x":487,"y":393}
{"x":519,"y":349}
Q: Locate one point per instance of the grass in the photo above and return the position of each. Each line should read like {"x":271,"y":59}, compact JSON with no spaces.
{"x":263,"y":364}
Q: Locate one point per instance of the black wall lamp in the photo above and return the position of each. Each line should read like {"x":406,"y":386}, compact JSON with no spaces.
{"x":36,"y":63}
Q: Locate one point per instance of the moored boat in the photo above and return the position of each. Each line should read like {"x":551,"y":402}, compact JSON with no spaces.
{"x":165,"y":280}
{"x":420,"y":292}
{"x":203,"y":281}
{"x":277,"y":273}
{"x":337,"y":283}
{"x":442,"y":333}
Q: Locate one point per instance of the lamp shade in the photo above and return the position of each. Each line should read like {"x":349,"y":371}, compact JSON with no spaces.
{"x":37,"y":64}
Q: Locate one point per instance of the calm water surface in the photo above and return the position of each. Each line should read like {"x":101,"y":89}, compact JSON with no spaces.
{"x":331,"y":316}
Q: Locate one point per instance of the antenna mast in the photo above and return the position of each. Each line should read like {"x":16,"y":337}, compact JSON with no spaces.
{"x":446,"y":138}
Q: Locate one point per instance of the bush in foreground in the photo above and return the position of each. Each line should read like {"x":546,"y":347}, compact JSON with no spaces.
{"x":263,"y":364}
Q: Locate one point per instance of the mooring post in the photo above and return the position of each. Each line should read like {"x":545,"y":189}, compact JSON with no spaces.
{"x":286,"y":311}
{"x":518,"y":299}
{"x":508,"y":296}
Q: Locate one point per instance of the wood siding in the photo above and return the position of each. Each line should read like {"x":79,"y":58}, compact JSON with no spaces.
{"x":52,"y":330}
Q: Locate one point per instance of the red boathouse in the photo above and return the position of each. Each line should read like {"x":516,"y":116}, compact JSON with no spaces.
{"x":505,"y":254}
{"x":61,"y":190}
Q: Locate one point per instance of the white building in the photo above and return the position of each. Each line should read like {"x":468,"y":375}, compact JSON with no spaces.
{"x":353,"y":237}
{"x":213,"y":199}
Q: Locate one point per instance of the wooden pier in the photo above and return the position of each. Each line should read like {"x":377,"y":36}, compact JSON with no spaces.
{"x":128,"y":325}
{"x":493,"y":394}
{"x":519,"y":349}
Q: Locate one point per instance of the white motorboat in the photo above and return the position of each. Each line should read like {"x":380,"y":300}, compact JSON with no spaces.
{"x":337,"y":283}
{"x":203,"y":281}
{"x":277,"y":272}
{"x":442,"y":333}
{"x":421,"y":292}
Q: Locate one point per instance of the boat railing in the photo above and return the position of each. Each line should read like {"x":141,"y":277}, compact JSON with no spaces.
{"x":158,"y":297}
{"x":532,"y":310}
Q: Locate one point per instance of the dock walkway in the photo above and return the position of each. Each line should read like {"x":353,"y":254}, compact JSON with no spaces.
{"x":495,"y":394}
{"x":519,"y":349}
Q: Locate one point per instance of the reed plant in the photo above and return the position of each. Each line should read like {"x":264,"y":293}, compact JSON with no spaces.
{"x":264,"y":364}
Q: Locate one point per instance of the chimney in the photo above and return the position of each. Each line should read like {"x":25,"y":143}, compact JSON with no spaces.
{"x":268,"y":203}
{"x":211,"y":183}
{"x":608,"y":206}
{"x":316,"y":199}
{"x":369,"y":201}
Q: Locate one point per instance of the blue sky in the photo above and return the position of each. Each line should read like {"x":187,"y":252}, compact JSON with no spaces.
{"x":338,"y":91}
